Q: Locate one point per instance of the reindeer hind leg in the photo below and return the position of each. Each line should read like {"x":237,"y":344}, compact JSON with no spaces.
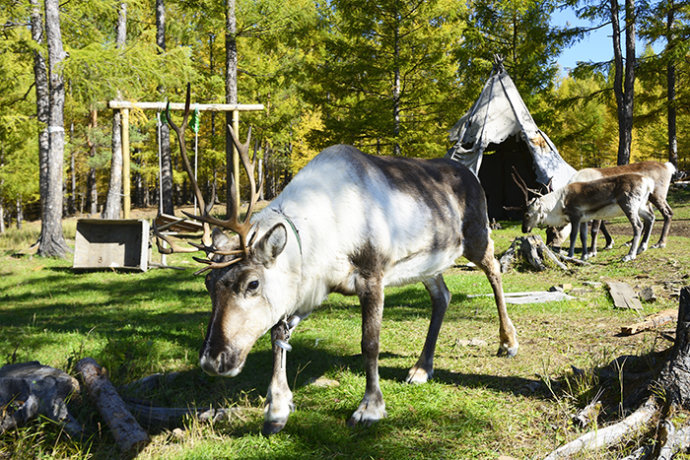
{"x":440,"y":298}
{"x":482,"y":254}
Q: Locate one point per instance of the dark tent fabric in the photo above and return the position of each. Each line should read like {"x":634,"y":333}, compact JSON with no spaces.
{"x":498,"y":133}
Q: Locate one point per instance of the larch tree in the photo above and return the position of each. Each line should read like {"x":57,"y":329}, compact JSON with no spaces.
{"x":624,"y":78}
{"x":386,"y":82}
{"x":52,"y":241}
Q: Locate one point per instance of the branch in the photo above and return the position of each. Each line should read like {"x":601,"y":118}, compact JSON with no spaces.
{"x":608,"y":436}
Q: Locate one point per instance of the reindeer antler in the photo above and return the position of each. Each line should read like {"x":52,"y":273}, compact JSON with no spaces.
{"x":519,"y":181}
{"x":240,"y":226}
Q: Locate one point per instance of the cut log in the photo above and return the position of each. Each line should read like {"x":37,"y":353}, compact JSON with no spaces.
{"x":128,"y":434}
{"x":651,"y":322}
{"x":623,"y":296}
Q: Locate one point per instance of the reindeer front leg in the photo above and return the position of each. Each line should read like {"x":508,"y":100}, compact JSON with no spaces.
{"x":372,"y":408}
{"x":575,"y":227}
{"x":279,"y":397}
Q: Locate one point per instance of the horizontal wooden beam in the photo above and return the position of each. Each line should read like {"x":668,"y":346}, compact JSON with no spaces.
{"x":180,"y":106}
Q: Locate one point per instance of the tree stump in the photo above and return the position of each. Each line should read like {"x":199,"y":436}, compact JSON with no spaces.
{"x":673,"y":380}
{"x":29,"y":389}
{"x":531,"y":248}
{"x":128,"y":434}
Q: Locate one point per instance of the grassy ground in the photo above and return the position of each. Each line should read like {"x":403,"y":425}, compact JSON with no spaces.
{"x":477,"y":406}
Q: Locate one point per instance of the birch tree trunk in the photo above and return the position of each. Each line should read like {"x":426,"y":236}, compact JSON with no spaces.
{"x":42,"y":101}
{"x":52,"y":241}
{"x":91,"y":178}
{"x":166,"y":158}
{"x":113,"y":202}
{"x":230,"y":92}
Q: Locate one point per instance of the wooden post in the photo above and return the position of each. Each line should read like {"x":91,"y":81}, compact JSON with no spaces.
{"x":236,"y":157}
{"x":126,"y":198}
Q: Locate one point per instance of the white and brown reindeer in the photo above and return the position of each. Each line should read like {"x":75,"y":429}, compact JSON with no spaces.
{"x":661,"y":173}
{"x":605,"y":198}
{"x":350,"y":223}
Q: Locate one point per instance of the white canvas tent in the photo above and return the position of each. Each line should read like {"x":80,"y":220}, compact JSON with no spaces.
{"x":500,"y":125}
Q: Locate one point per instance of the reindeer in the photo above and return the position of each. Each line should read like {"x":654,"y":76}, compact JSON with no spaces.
{"x":350,"y":223}
{"x":580,"y":202}
{"x":661,"y":174}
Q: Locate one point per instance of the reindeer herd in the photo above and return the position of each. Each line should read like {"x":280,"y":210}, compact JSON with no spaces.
{"x":354,"y":223}
{"x":595,"y":194}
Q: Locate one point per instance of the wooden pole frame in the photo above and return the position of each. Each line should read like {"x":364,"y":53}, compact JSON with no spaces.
{"x":125,"y":106}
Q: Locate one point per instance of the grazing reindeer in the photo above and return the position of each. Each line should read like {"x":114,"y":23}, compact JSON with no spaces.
{"x":580,"y":202}
{"x":348,"y":223}
{"x":661,"y":174}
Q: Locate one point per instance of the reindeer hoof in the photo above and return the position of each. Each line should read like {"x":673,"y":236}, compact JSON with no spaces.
{"x":273,"y":427}
{"x":508,"y":352}
{"x":367,"y":414}
{"x":417,"y":376}
{"x":659,"y":246}
{"x":628,"y":257}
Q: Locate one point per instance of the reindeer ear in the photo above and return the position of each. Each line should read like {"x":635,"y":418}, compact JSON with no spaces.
{"x":271,"y":245}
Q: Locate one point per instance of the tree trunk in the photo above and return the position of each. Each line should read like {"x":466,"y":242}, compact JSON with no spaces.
{"x":91,"y":184}
{"x":71,"y":200}
{"x":113,"y":202}
{"x":230,"y":92}
{"x":675,"y":376}
{"x":2,"y":218}
{"x":166,"y":157}
{"x":42,"y":102}
{"x":396,"y":92}
{"x":20,"y":214}
{"x":52,"y":241}
{"x":624,"y":78}
{"x":671,"y":86}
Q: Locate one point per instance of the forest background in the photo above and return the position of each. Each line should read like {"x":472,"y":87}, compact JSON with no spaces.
{"x":388,"y":76}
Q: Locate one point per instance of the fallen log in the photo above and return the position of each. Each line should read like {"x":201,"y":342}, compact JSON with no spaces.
{"x":127,"y":432}
{"x":651,"y":322}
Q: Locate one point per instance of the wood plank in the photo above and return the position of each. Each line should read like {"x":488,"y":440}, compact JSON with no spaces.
{"x":180,"y":106}
{"x":623,"y":296}
{"x":652,"y":321}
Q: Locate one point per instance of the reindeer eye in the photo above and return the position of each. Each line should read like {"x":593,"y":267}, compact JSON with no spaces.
{"x":253,"y":285}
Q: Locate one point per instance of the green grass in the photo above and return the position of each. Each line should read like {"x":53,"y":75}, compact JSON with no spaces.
{"x":477,"y":406}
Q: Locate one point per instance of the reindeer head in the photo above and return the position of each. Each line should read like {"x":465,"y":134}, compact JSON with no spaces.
{"x":534,"y":215}
{"x":247,"y":291}
{"x":248,"y":298}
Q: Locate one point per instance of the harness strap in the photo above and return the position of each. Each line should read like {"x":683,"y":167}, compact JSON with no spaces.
{"x":292,"y":226}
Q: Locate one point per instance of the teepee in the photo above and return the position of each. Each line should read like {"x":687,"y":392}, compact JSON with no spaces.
{"x":497,"y":134}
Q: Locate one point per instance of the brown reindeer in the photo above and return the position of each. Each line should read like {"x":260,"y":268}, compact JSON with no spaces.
{"x":661,"y":173}
{"x":348,"y":223}
{"x":580,"y":202}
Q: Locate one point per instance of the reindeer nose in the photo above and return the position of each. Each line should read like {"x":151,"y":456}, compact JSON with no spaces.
{"x":225,"y":363}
